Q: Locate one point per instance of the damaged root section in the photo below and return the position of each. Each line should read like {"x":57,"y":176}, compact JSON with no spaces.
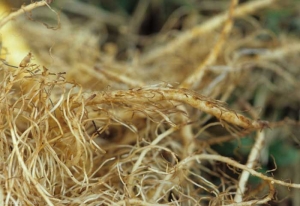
{"x":154,"y":95}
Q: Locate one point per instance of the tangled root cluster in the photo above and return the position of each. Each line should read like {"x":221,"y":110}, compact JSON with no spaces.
{"x":130,"y":140}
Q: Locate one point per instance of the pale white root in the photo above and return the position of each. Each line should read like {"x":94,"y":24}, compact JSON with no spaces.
{"x":254,"y":155}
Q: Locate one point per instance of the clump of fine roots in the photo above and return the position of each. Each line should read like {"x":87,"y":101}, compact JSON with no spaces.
{"x":93,"y":128}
